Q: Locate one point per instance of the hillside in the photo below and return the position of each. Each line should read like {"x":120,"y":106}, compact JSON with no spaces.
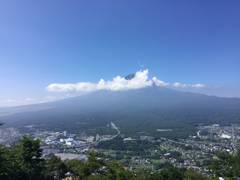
{"x":134,"y":111}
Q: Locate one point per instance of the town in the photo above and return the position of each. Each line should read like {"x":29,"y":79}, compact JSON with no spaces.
{"x":138,"y":152}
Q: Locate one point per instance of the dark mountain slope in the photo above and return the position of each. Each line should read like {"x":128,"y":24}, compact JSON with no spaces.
{"x":134,"y":111}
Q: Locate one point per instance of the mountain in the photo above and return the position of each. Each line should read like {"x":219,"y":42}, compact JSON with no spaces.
{"x":130,"y":76}
{"x":140,"y":111}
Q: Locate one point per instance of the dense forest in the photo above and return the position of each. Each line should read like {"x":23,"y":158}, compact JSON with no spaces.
{"x":24,"y":161}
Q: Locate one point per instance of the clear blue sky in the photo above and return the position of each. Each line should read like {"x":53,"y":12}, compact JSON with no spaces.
{"x":43,"y":42}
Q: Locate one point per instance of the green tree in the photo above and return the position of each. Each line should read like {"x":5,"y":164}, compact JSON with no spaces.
{"x":116,"y":171}
{"x":172,"y":173}
{"x":27,"y":157}
{"x":5,"y":165}
{"x":226,"y":165}
{"x":169,"y":173}
{"x":236,"y":164}
{"x":190,"y":174}
{"x":78,"y":168}
{"x":55,"y":168}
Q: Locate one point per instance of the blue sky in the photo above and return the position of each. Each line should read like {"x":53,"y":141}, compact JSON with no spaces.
{"x":45,"y":42}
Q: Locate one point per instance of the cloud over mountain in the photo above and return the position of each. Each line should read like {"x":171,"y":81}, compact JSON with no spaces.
{"x":139,"y":80}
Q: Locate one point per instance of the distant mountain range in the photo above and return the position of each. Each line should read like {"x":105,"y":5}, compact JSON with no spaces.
{"x":140,"y":111}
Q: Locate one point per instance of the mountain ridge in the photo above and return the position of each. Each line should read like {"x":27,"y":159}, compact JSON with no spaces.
{"x":137,"y":110}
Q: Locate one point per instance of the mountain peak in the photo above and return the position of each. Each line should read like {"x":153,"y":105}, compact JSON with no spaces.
{"x":130,"y":76}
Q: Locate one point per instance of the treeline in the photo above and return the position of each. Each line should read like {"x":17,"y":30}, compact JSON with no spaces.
{"x":24,"y":162}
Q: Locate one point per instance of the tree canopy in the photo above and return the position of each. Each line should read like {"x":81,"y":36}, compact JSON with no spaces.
{"x":24,"y":161}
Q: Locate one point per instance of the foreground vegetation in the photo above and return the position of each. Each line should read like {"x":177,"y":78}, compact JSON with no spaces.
{"x":24,"y":161}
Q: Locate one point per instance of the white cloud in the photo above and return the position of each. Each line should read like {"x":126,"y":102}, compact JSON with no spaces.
{"x":160,"y":83}
{"x":140,"y":80}
{"x":119,"y":83}
{"x":28,"y":100}
{"x":10,"y":100}
{"x":198,"y":85}
{"x":82,"y":86}
{"x":180,"y":85}
{"x":183,"y":85}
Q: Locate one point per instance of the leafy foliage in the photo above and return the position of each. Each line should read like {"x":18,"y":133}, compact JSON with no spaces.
{"x":24,"y":162}
{"x":226,"y":165}
{"x":54,"y":168}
